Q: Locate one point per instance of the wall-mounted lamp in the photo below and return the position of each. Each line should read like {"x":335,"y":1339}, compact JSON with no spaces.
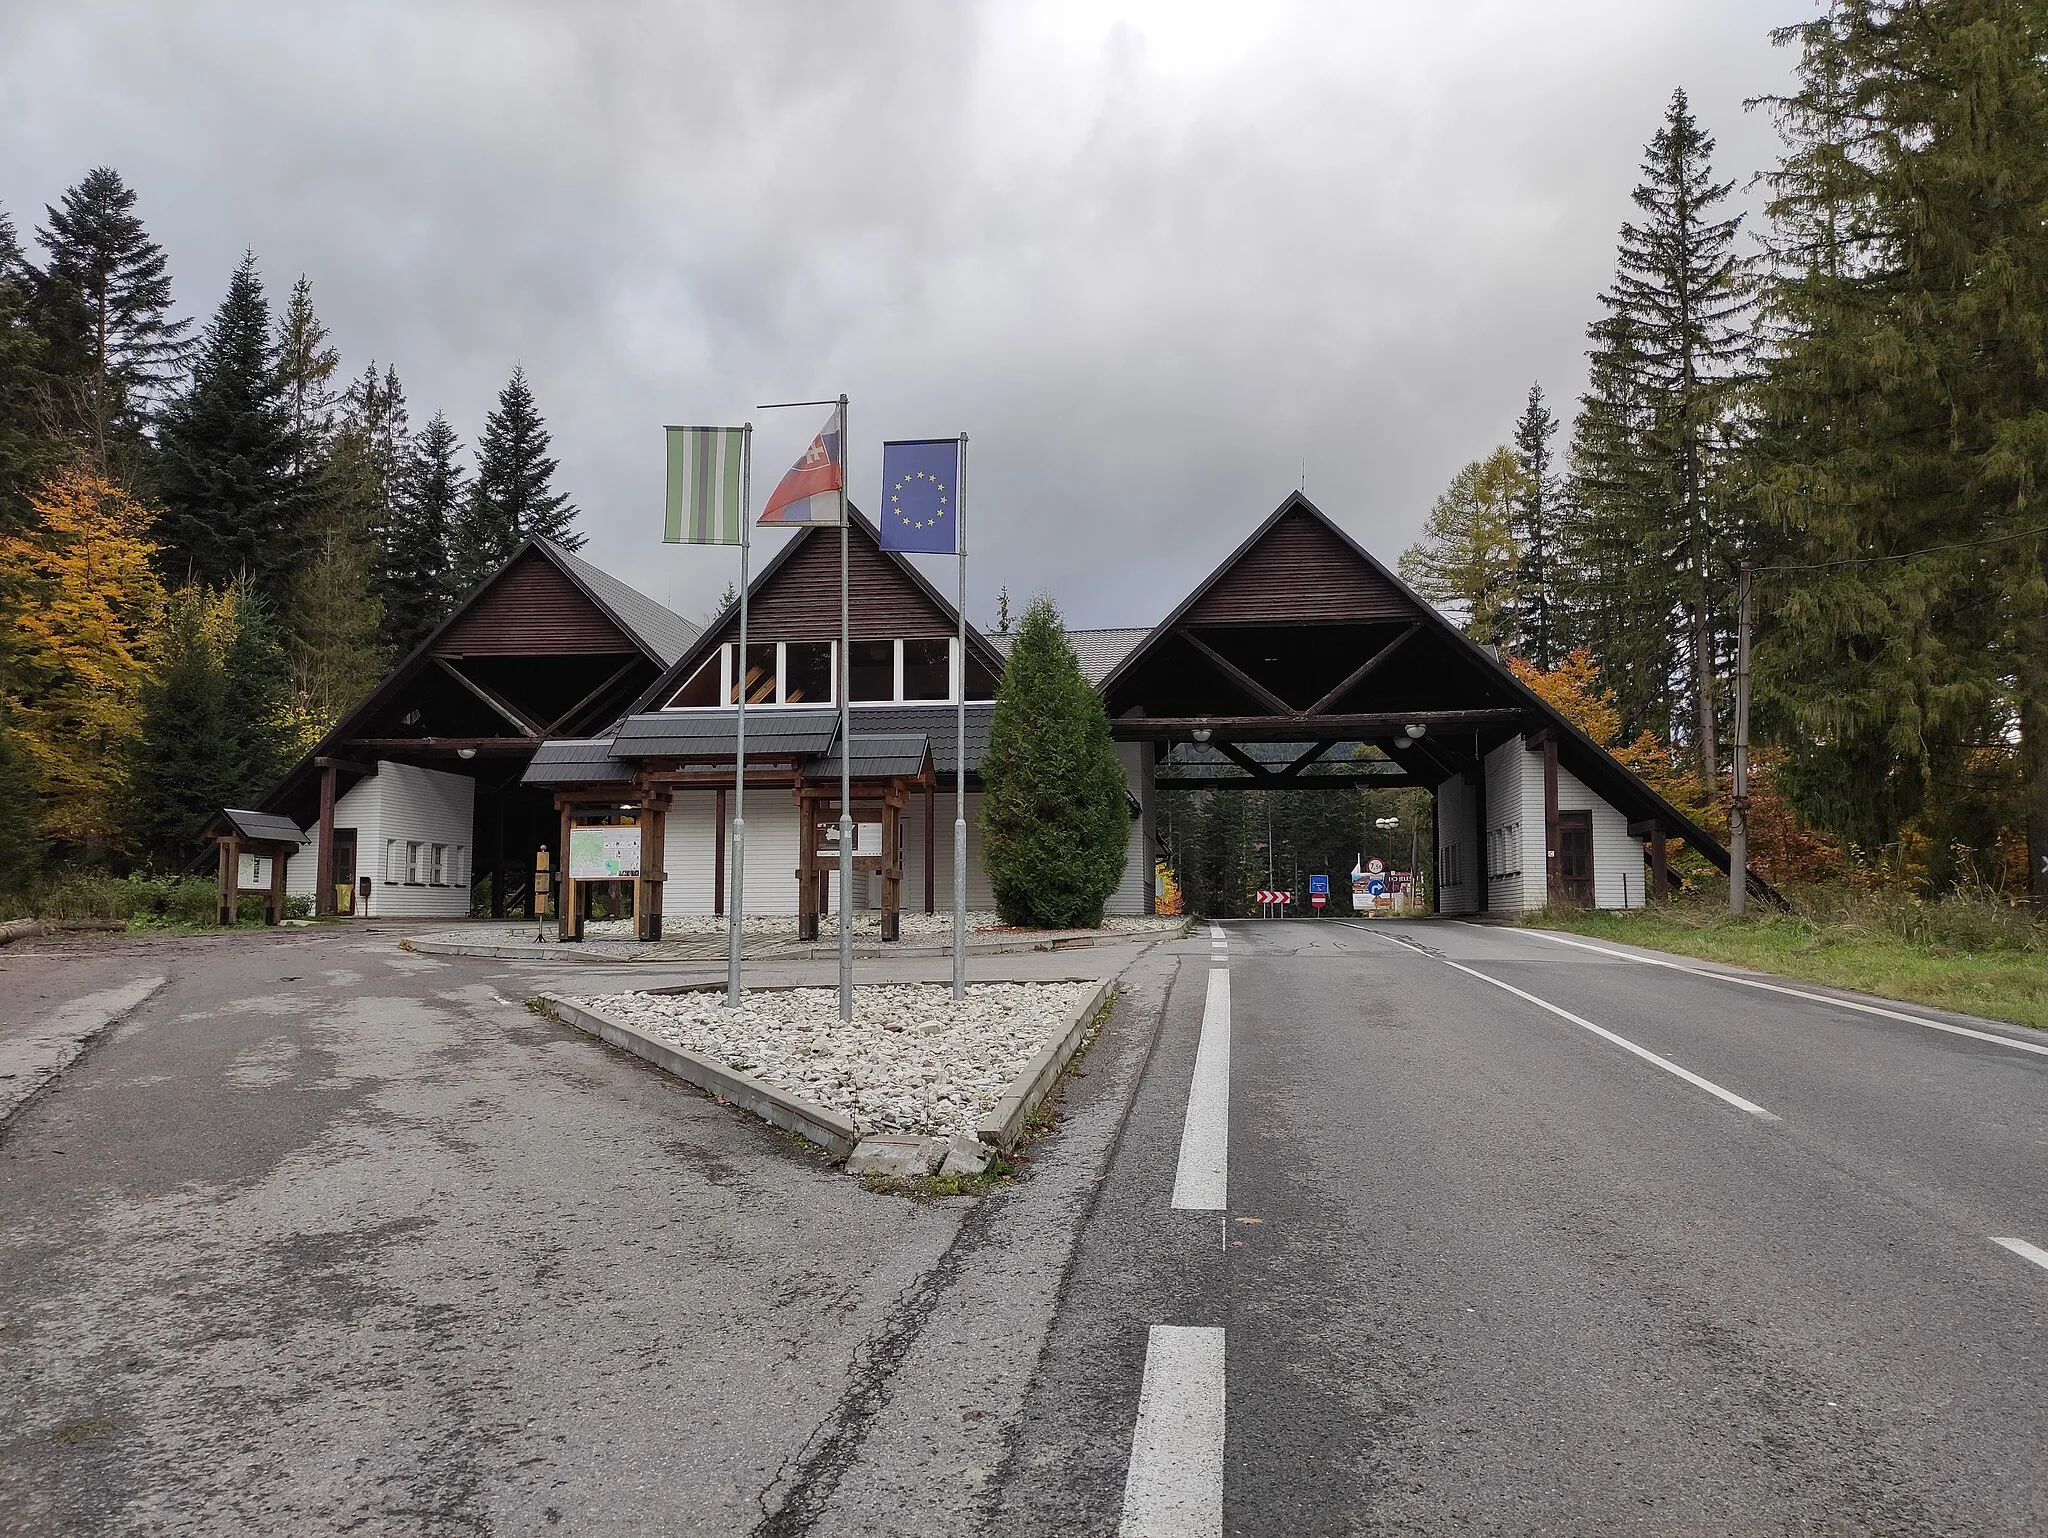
{"x":1417,"y":729}
{"x":1201,"y":734}
{"x":465,"y":752}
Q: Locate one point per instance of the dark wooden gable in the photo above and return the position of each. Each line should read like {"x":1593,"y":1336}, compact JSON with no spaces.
{"x":795,"y":597}
{"x":798,"y":600}
{"x":532,"y":609}
{"x":1298,"y":571}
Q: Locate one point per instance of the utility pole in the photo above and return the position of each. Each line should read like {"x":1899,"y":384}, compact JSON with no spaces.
{"x":1738,"y":810}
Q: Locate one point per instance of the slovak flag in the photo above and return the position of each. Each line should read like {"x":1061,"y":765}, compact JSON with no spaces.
{"x":810,"y":494}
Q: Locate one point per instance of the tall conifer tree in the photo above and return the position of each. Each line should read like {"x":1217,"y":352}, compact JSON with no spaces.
{"x":106,"y":310}
{"x":1532,"y":521}
{"x":414,"y":577}
{"x":307,"y":362}
{"x":513,"y":496}
{"x":1652,"y":535}
{"x":1905,"y":441}
{"x":232,"y":501}
{"x":26,"y":450}
{"x":1465,"y":559}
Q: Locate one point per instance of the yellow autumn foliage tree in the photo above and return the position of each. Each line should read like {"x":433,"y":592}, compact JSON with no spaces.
{"x":87,"y":600}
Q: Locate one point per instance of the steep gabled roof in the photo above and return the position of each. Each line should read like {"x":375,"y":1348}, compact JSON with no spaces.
{"x":665,"y":636}
{"x":683,"y":666}
{"x":1380,"y":594}
{"x":643,"y":625}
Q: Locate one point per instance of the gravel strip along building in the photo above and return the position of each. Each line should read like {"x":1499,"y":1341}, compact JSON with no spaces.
{"x":556,"y":698}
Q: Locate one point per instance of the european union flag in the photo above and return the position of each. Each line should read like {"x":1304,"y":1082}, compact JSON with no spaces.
{"x":921,"y":496}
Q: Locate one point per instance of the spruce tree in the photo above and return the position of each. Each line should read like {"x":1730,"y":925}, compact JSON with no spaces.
{"x":1905,"y":433}
{"x":1675,"y":340}
{"x":1055,"y":820}
{"x":1465,"y":560}
{"x":232,"y":501}
{"x":306,"y":365}
{"x":513,"y":497}
{"x":27,"y":452}
{"x":105,"y":306}
{"x":1532,"y":524}
{"x":187,"y":760}
{"x":414,"y":577}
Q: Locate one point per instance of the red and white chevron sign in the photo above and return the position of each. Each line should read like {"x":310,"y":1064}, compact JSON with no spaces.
{"x":1274,"y":897}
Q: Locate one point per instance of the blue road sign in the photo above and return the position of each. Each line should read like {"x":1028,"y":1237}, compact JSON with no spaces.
{"x":1375,"y":887}
{"x":1319,"y":884}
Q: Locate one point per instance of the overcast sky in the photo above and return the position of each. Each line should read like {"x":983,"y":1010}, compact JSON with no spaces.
{"x":1159,"y":261}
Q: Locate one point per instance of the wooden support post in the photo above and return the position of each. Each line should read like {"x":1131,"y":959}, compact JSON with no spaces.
{"x":567,"y":926}
{"x":1660,"y":871}
{"x":931,"y":844}
{"x":892,"y":865}
{"x":323,"y":847}
{"x":720,"y":833}
{"x":230,"y":878}
{"x":277,"y":860}
{"x":808,"y":894}
{"x":1553,"y":873}
{"x":653,"y":867}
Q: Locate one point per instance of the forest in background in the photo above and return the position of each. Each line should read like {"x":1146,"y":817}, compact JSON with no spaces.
{"x":213,"y":542}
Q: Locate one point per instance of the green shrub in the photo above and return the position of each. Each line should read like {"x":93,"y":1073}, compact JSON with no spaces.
{"x":1056,"y":821}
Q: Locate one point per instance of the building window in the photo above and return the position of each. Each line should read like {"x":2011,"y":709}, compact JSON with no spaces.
{"x":760,"y":681}
{"x":704,"y":685}
{"x":871,"y":671}
{"x":928,"y":670}
{"x":1447,"y":866}
{"x":440,"y":866}
{"x":1504,"y":851}
{"x":807,"y":673}
{"x":412,"y":865}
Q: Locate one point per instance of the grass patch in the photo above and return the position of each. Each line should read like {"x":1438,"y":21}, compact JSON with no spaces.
{"x":1973,"y":954}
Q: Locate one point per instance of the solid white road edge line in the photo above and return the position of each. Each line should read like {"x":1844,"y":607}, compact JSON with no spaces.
{"x":2026,"y":1251}
{"x":1797,"y":993}
{"x":1201,"y":1180}
{"x":1623,"y":1042}
{"x":1174,"y":1487}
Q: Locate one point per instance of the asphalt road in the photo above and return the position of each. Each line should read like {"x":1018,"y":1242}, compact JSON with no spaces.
{"x":1624,"y":1250}
{"x":325,"y":1236}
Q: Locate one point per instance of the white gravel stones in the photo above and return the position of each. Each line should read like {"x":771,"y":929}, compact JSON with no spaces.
{"x":909,"y":1061}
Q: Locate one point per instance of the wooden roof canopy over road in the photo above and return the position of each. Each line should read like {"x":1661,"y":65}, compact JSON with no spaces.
{"x":1301,"y":637}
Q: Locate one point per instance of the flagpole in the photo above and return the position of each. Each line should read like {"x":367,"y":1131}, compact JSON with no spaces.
{"x":960,"y":749}
{"x":738,"y":916}
{"x":845,"y":741}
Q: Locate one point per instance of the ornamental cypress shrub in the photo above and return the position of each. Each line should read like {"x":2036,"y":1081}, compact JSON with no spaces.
{"x":1056,"y":820}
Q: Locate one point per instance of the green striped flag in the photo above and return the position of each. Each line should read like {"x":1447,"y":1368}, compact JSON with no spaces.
{"x":704,"y":486}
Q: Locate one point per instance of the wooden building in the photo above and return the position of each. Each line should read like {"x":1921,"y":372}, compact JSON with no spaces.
{"x":557,"y":697}
{"x":412,"y":805}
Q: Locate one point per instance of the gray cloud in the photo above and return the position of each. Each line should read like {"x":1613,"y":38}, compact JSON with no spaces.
{"x":1159,"y":260}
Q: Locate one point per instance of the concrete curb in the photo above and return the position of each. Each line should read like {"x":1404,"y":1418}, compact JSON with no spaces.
{"x":828,"y":1129}
{"x":61,"y":1053}
{"x":1004,"y":1125}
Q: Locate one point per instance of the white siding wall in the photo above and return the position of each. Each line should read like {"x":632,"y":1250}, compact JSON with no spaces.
{"x":979,"y":898}
{"x":426,"y":807}
{"x":1508,"y":799}
{"x":1458,"y":889}
{"x":1129,"y":896}
{"x":692,"y":849}
{"x":402,"y":803}
{"x":1617,"y":858}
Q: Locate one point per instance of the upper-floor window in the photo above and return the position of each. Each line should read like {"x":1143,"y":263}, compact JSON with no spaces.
{"x":803,"y":673}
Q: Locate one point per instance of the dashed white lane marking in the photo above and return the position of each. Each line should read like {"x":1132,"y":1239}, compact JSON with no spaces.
{"x":2026,"y":1251}
{"x":1604,"y":1034}
{"x":1174,"y":1488}
{"x":1216,"y":932}
{"x":1201,"y":1182}
{"x":1799,"y":993}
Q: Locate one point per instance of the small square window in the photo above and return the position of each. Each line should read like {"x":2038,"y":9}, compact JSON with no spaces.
{"x":807,"y":673}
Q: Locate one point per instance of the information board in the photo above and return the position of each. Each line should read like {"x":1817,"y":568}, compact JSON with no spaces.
{"x":603,"y":854}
